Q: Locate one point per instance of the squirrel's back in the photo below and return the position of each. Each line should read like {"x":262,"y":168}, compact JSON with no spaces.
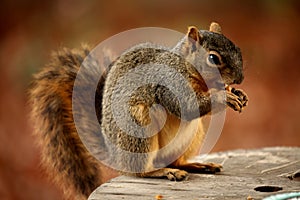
{"x":63,"y":153}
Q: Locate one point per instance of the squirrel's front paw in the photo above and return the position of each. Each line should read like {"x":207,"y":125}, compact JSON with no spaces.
{"x":243,"y":97}
{"x":237,"y":99}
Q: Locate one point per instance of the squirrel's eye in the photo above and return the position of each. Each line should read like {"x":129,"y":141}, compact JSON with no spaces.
{"x":214,"y":58}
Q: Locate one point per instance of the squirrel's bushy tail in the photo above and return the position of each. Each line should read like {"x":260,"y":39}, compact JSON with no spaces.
{"x":64,"y":157}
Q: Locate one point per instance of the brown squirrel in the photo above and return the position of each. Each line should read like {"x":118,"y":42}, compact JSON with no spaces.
{"x":68,"y":162}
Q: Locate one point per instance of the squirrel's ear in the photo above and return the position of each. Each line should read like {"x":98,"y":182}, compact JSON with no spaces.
{"x":193,"y":33}
{"x":193,"y":37}
{"x":215,"y":27}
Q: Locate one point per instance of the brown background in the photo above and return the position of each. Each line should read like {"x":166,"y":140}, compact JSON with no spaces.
{"x":267,"y":31}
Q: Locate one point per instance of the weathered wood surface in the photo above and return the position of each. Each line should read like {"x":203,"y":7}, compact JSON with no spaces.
{"x":244,"y":170}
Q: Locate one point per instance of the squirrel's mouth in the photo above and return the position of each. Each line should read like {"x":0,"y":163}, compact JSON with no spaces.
{"x":227,"y":87}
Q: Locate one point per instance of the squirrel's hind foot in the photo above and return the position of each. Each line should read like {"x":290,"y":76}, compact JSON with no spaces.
{"x":207,"y":168}
{"x":169,"y":173}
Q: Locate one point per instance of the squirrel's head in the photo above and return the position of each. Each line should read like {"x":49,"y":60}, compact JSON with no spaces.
{"x":216,"y":51}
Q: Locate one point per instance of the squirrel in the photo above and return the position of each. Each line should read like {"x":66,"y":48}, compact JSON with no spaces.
{"x":66,"y":159}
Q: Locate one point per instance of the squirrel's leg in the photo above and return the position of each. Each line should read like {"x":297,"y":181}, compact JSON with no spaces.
{"x":146,"y":163}
{"x":195,"y":167}
{"x":152,"y":172}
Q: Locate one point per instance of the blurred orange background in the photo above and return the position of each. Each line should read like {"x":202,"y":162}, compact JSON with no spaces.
{"x":267,"y":31}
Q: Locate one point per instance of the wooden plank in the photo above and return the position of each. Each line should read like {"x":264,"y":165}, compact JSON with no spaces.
{"x":244,"y":170}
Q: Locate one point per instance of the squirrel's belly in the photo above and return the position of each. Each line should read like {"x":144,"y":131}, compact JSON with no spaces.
{"x":176,"y":137}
